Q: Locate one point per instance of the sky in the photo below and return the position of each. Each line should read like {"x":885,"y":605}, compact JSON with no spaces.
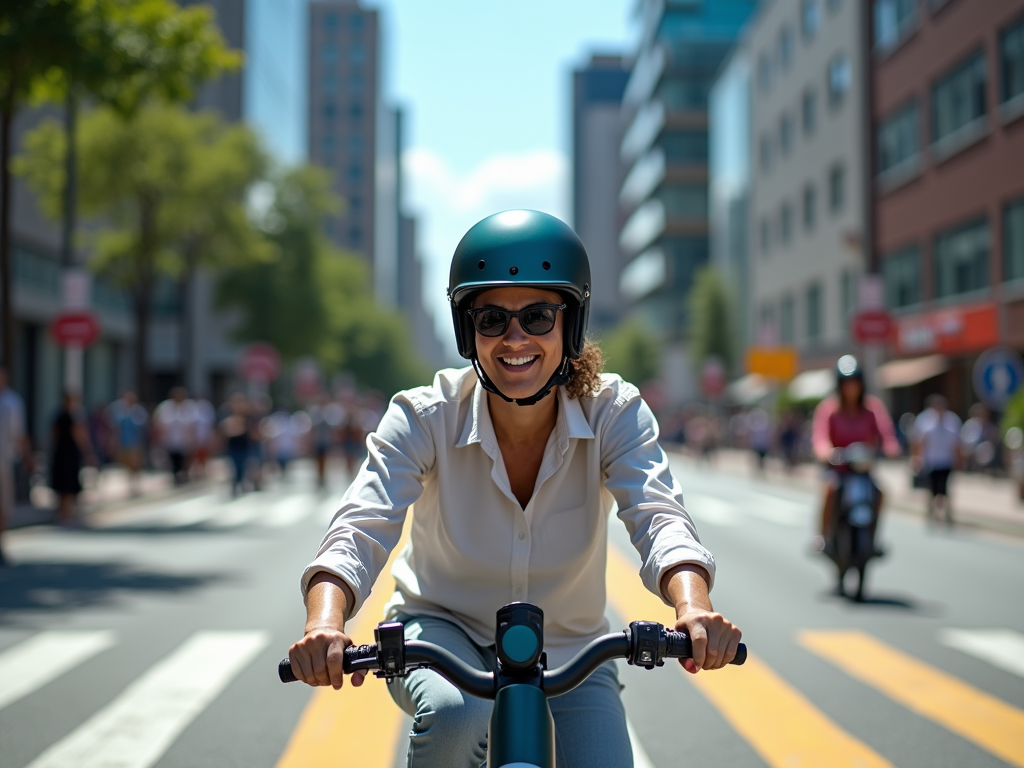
{"x":486,"y":85}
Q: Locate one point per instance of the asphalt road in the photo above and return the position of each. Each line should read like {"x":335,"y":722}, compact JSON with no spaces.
{"x":151,"y":639}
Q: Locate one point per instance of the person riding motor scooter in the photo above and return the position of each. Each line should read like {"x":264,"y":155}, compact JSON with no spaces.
{"x":841,"y":420}
{"x":513,"y":464}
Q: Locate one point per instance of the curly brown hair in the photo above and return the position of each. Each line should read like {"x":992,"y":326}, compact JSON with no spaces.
{"x":585,"y":372}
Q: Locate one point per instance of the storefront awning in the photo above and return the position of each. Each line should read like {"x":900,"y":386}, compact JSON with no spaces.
{"x":748,"y":390}
{"x":906,"y":373}
{"x":813,"y":385}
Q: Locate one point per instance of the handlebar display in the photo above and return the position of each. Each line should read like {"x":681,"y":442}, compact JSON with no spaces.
{"x":645,"y":644}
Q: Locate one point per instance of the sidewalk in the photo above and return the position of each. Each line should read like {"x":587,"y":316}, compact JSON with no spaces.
{"x":978,"y":500}
{"x":107,"y":489}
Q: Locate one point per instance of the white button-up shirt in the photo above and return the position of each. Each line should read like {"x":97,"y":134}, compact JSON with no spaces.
{"x":472,"y":547}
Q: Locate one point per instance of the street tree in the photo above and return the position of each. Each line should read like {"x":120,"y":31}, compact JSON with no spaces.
{"x":313,"y":300}
{"x":633,"y":352}
{"x":711,"y":320}
{"x":118,"y":53}
{"x":168,"y":188}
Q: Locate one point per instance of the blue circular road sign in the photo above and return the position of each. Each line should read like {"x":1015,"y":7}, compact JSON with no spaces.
{"x":998,"y":375}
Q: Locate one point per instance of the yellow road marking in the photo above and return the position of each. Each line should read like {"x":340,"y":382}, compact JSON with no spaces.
{"x":782,"y":726}
{"x":353,"y":726}
{"x":992,"y":724}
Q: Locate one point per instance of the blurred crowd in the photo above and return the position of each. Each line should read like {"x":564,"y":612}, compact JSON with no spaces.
{"x":180,"y":436}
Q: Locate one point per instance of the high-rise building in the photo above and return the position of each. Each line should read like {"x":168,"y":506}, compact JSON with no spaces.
{"x":948,"y":131}
{"x":597,"y":174}
{"x":665,"y":147}
{"x":344,"y":110}
{"x":808,"y":229}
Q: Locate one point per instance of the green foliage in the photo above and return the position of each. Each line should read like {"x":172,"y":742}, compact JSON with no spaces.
{"x":1013,"y":416}
{"x":165,"y":182}
{"x":313,"y":300}
{"x":712,"y":331}
{"x":633,"y":352}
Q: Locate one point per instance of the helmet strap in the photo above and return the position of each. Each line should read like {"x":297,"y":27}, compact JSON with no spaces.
{"x":559,"y":377}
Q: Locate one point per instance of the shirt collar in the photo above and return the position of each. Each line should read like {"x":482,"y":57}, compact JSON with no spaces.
{"x":572,"y":421}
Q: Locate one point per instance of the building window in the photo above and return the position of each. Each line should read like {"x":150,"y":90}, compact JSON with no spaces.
{"x":355,"y":110}
{"x":958,"y":99}
{"x":764,"y":72}
{"x":786,"y":223}
{"x":355,"y":144}
{"x":329,"y":110}
{"x":355,"y":204}
{"x":357,"y":53}
{"x":894,"y":21}
{"x":687,"y":201}
{"x":814,"y":303}
{"x":765,"y":152}
{"x":840,"y":77}
{"x":899,"y":137}
{"x":834,"y":5}
{"x":810,"y":206}
{"x":329,"y":82}
{"x":331,"y":20}
{"x":785,"y":47}
{"x":785,"y":133}
{"x":685,"y":147}
{"x":1013,"y":241}
{"x":961,"y":259}
{"x":809,"y":111}
{"x":901,"y":271}
{"x":847,"y":300}
{"x":357,"y":22}
{"x":356,"y":83}
{"x":355,"y":237}
{"x":327,"y":144}
{"x":766,"y":236}
{"x":767,"y":334}
{"x":787,"y":329}
{"x":810,"y":18}
{"x":1011,"y":53}
{"x":836,"y":188}
{"x":329,"y":53}
{"x":355,"y":173}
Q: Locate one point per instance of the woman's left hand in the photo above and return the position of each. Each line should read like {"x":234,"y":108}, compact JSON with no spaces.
{"x":713,"y":636}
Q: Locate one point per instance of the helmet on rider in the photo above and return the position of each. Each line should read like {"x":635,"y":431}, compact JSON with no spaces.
{"x":848,"y":369}
{"x":527,"y":249}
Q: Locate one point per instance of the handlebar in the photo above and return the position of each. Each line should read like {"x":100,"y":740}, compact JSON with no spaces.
{"x":644,"y":644}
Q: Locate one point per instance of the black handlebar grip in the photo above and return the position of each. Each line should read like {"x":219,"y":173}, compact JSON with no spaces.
{"x":678,"y":646}
{"x":353,"y":654}
{"x":284,"y":671}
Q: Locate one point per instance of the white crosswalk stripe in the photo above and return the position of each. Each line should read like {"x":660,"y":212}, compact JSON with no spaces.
{"x":640,"y":758}
{"x":730,"y":513}
{"x":136,"y":728}
{"x":1001,"y":648}
{"x":289,"y":511}
{"x":31,"y":664}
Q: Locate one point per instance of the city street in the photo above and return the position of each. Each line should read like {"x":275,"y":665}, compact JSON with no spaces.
{"x":151,"y":638}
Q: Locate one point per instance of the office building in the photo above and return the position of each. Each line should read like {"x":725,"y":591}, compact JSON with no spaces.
{"x":948,"y":129}
{"x":344,"y":109}
{"x":664,"y":195}
{"x":597,"y":174}
{"x":808,"y":237}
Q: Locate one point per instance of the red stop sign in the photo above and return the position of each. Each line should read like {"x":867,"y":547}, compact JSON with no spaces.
{"x":80,"y":328}
{"x":872,"y":325}
{"x":260,"y":362}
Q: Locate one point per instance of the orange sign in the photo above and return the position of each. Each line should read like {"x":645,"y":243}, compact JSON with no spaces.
{"x":953,"y":330}
{"x":773,"y":362}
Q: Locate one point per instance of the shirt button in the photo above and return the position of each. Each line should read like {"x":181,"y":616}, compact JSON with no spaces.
{"x":522,"y":535}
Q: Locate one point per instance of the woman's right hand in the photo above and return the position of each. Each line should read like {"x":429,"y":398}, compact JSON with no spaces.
{"x":317,"y":658}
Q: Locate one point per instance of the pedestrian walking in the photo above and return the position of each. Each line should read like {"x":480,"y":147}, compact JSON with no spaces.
{"x":71,"y":450}
{"x":205,"y":428}
{"x":325,"y":422}
{"x":174,"y":423}
{"x":234,"y":429}
{"x":935,"y":451}
{"x":14,"y":444}
{"x":759,"y":432}
{"x":129,"y":420}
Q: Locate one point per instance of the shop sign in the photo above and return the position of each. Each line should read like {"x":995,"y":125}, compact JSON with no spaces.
{"x":954,"y":330}
{"x":781,"y":363}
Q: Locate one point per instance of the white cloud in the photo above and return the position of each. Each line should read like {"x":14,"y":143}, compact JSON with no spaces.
{"x":448,"y":203}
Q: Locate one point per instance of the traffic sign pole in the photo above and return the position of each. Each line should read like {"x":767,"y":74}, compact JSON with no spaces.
{"x":73,"y":368}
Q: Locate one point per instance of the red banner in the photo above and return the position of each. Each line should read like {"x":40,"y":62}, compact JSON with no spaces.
{"x":953,"y":330}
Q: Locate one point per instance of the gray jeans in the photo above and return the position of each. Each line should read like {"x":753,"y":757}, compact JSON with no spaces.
{"x":449,"y":728}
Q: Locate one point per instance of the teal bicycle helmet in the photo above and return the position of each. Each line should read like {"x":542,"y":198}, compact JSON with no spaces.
{"x":521,"y":248}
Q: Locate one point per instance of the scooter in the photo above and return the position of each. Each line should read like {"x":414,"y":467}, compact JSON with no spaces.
{"x":851,"y":538}
{"x":522,"y":731}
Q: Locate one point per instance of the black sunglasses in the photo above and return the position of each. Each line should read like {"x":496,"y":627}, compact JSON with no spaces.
{"x":536,"y":319}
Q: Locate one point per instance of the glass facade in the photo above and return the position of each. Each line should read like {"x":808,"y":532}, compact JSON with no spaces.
{"x":1011,"y":62}
{"x":961,"y":259}
{"x":958,"y":99}
{"x":1013,"y":241}
{"x":899,"y":138}
{"x":901,"y":271}
{"x":894,"y":20}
